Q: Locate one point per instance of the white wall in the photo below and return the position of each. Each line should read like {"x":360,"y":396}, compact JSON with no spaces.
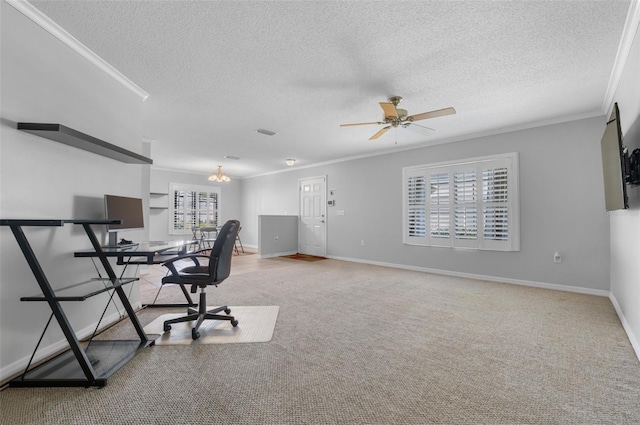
{"x":160,"y":181}
{"x":625,"y":224}
{"x":562,"y":208}
{"x":43,"y":80}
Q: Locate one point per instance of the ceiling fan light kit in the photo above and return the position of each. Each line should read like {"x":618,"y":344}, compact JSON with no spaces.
{"x":397,"y":117}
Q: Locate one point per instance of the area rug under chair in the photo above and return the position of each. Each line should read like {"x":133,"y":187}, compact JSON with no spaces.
{"x":256,"y":324}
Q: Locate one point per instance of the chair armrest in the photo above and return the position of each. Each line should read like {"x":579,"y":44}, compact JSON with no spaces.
{"x":194,"y":257}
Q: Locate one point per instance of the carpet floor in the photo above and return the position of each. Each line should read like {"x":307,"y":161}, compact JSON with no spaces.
{"x":362,"y":344}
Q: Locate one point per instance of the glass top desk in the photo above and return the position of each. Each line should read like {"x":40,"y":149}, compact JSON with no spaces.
{"x":154,"y":252}
{"x":84,"y":363}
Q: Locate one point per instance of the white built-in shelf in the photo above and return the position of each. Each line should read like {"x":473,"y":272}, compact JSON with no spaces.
{"x":161,"y":204}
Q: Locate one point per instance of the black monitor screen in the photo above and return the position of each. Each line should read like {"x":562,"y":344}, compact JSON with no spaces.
{"x":129,"y":210}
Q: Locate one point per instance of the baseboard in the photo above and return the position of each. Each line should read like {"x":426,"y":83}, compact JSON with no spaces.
{"x":632,"y":338}
{"x":277,"y":254}
{"x":16,"y":368}
{"x":554,"y":286}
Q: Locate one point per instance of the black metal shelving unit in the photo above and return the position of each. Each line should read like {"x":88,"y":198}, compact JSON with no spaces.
{"x":85,"y":363}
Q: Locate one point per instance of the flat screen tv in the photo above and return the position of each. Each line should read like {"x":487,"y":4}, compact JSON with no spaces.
{"x":614,"y":164}
{"x":129,"y":210}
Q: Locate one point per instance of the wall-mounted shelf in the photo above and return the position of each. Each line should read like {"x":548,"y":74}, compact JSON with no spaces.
{"x":159,"y":197}
{"x":71,"y":137}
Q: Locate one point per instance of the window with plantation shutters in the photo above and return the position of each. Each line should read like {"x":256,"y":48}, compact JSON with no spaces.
{"x":463,"y":204}
{"x":193,"y":206}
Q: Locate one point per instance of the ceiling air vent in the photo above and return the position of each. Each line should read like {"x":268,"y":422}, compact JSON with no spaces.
{"x":235,"y":158}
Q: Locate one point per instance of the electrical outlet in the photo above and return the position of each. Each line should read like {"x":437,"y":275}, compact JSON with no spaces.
{"x":557,"y":258}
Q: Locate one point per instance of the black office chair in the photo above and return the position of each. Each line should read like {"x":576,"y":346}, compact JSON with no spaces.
{"x":201,"y":276}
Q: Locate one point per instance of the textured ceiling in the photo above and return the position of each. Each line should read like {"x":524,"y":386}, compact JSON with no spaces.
{"x":218,"y":70}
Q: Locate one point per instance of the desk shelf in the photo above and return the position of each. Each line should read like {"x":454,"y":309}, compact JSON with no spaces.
{"x":84,"y":364}
{"x":105,"y":358}
{"x":84,"y":290}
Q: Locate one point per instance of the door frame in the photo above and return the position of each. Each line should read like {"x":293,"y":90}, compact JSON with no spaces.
{"x":324,"y":211}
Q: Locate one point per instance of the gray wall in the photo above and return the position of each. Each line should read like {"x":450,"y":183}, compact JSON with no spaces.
{"x":277,"y":235}
{"x":43,"y":80}
{"x":561,"y":207}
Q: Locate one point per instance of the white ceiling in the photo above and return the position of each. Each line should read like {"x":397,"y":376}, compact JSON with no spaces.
{"x":218,"y":70}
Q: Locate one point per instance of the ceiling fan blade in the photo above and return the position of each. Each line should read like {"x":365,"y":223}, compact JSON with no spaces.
{"x":380,"y":133}
{"x":419,"y":128}
{"x":389,"y":110}
{"x":432,"y":114}
{"x":360,"y":123}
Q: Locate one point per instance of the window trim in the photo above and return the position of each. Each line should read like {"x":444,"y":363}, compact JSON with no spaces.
{"x":173,"y":187}
{"x":510,"y":161}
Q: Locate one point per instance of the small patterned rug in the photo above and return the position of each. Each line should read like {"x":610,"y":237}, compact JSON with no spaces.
{"x":304,"y":257}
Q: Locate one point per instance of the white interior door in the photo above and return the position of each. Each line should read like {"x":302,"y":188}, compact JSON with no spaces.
{"x":312,"y":237}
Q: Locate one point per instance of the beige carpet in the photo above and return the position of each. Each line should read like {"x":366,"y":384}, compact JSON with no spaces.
{"x":256,"y":324}
{"x":357,"y":344}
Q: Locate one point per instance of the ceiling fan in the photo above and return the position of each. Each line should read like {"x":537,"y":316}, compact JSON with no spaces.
{"x":396,"y":117}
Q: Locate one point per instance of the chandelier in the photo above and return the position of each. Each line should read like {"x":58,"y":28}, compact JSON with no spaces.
{"x":219,"y":176}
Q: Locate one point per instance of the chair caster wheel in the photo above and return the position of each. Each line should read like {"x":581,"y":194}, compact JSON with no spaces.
{"x":166,"y":327}
{"x":195,"y":334}
{"x":227,"y":310}
{"x":234,"y":323}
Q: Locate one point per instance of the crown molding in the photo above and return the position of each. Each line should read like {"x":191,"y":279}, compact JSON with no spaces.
{"x":43,"y":21}
{"x":629,"y":32}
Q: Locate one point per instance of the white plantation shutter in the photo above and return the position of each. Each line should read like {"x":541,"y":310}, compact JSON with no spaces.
{"x":465,"y":208}
{"x":417,"y":209}
{"x":193,"y":206}
{"x":439,"y":208}
{"x":495,"y":195}
{"x":416,"y":212}
{"x":467,"y":204}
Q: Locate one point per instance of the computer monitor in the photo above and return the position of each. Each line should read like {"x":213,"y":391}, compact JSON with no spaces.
{"x":129,"y":210}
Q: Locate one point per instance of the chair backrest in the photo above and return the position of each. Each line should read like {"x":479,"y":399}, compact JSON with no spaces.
{"x":222,"y":249}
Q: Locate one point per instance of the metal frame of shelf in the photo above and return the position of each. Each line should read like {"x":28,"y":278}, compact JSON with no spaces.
{"x":84,"y":364}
